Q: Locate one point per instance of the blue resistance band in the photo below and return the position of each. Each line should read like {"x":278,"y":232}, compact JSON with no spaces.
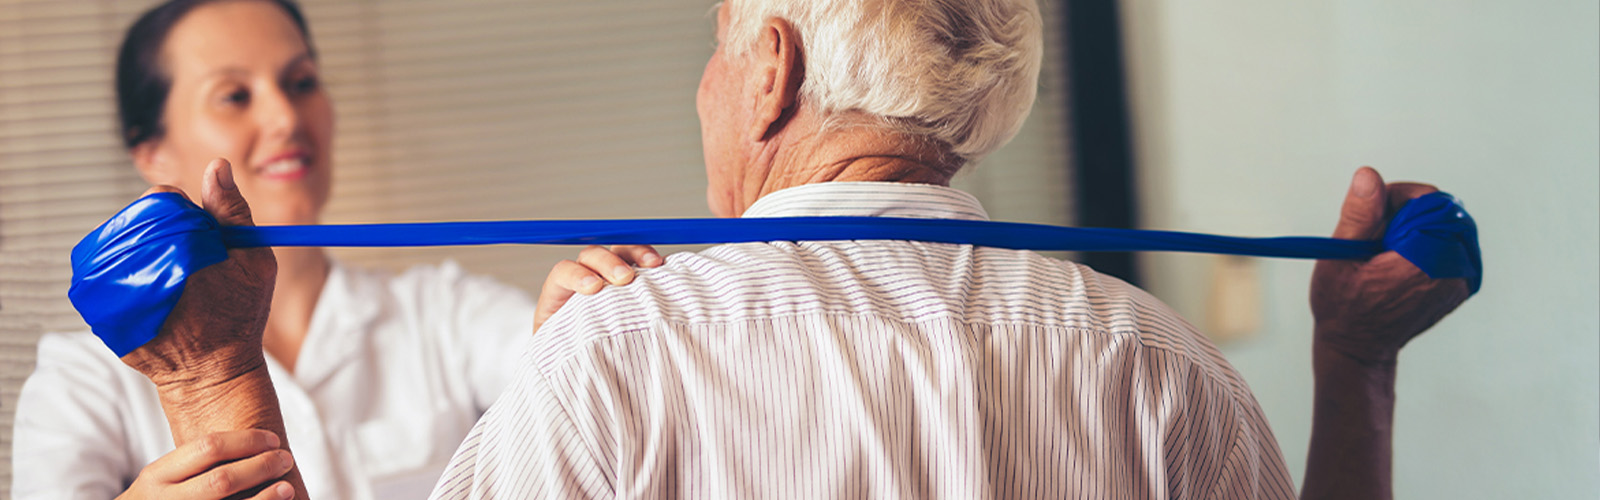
{"x":129,"y":273}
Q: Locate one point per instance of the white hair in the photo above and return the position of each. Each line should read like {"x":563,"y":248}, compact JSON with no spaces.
{"x":962,"y":72}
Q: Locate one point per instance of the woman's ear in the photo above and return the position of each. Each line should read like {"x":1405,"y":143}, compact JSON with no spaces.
{"x":154,"y":164}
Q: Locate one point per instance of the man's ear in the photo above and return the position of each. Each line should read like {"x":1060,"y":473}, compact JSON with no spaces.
{"x":779,"y":72}
{"x":154,"y":164}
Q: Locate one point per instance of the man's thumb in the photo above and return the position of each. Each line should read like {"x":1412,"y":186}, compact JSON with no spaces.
{"x":1361,"y":218}
{"x":220,"y":196}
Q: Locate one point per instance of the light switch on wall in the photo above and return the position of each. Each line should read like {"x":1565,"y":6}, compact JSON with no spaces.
{"x":1233,"y":306}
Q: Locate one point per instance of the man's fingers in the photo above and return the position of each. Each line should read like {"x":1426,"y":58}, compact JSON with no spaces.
{"x":1362,"y":216}
{"x":639,"y":255}
{"x":220,"y":195}
{"x":1402,"y":192}
{"x":197,"y":456}
{"x":225,"y":480}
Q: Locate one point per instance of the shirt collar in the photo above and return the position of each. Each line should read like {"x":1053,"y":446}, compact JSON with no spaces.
{"x":348,"y":304}
{"x":869,"y":199}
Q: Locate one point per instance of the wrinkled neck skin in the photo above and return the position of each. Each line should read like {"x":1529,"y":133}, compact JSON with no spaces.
{"x":804,"y":152}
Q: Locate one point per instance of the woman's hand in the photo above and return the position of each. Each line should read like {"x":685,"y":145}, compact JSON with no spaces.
{"x":216,"y":466}
{"x":595,"y":267}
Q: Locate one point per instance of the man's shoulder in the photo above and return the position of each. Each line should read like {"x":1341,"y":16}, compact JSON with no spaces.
{"x":907,"y":281}
{"x":1129,"y":310}
{"x":686,"y":286}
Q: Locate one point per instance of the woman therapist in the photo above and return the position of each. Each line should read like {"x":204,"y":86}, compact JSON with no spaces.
{"x":380,"y":376}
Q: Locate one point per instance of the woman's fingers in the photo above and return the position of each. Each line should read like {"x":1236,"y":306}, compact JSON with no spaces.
{"x":280,"y":491}
{"x":567,"y":278}
{"x":200,"y":455}
{"x":216,"y":466}
{"x":639,"y":255}
{"x":234,"y":477}
{"x":596,"y":266}
{"x":605,"y":264}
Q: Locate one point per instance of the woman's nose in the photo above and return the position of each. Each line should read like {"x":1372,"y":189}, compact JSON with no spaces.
{"x":277,"y":113}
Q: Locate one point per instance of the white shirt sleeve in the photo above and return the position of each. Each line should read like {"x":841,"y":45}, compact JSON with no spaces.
{"x":69,"y":439}
{"x":490,"y":324}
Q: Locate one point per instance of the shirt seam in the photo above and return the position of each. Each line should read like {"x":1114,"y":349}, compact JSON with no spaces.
{"x":545,"y":384}
{"x":1234,"y":450}
{"x":652,"y":316}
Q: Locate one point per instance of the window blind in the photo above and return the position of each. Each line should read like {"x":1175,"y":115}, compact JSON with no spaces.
{"x":469,"y":110}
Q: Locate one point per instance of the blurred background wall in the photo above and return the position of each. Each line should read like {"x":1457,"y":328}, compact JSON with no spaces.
{"x":1250,"y":118}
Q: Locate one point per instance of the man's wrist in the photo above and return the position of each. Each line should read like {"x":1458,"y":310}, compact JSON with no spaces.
{"x":1332,"y":363}
{"x":1359,"y":346}
{"x":208,"y":384}
{"x":213,"y":401}
{"x":1352,"y":426}
{"x":183,"y":371}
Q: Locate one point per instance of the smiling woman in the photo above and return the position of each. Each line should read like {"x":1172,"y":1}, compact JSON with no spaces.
{"x":367,"y":359}
{"x":245,"y":86}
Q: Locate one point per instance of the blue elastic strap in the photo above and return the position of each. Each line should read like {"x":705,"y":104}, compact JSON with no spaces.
{"x":129,"y":272}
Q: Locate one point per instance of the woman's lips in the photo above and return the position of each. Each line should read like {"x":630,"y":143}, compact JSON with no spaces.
{"x":285,"y":168}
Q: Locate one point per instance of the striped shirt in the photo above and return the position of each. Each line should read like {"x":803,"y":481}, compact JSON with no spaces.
{"x":870,"y":369}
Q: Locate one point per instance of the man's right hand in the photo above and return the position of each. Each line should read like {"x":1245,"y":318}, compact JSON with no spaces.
{"x":214,"y":332}
{"x":216,"y":466}
{"x":207,"y":363}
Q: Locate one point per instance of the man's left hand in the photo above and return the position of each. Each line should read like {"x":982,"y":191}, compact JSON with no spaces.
{"x":1368,"y":310}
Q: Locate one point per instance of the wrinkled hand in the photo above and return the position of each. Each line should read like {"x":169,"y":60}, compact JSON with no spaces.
{"x":595,"y":267}
{"x":214,"y":331}
{"x":216,"y":466}
{"x":1368,"y":310}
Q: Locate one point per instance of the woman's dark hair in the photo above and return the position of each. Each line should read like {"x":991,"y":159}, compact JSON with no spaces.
{"x":142,"y":84}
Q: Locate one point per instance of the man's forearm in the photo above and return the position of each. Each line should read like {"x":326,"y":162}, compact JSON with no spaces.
{"x":1352,"y":428}
{"x":203,"y":405}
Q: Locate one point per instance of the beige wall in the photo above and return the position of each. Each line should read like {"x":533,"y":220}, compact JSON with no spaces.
{"x":1251,"y":117}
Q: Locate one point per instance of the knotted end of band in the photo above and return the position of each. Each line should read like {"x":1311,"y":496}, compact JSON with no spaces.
{"x":129,"y":273}
{"x":1436,"y":233}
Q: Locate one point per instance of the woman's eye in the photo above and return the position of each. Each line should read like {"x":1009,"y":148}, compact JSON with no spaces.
{"x":305,"y":85}
{"x":237,"y":97}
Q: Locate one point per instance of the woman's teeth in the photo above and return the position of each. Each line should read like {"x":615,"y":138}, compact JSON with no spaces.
{"x":283,"y":167}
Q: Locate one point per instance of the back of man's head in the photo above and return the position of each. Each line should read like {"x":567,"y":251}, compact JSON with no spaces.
{"x":961,"y":72}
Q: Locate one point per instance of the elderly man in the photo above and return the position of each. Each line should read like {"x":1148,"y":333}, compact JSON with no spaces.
{"x":868,"y":368}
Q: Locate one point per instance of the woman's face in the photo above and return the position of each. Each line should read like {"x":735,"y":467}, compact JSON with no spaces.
{"x":245,"y":88}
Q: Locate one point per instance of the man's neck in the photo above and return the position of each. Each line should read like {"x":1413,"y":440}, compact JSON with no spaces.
{"x":847,"y":154}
